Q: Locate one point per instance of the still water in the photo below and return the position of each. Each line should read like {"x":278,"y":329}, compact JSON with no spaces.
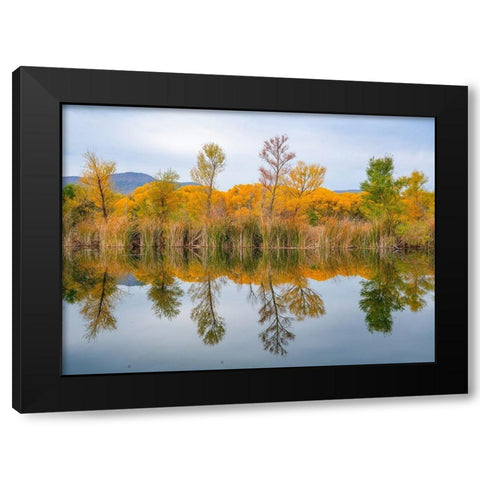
{"x":204,"y":310}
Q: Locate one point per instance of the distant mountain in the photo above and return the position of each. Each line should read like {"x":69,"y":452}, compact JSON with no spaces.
{"x":126,"y":182}
{"x":129,"y":281}
{"x":71,"y":179}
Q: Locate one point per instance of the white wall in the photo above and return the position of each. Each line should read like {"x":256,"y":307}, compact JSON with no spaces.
{"x":408,"y":41}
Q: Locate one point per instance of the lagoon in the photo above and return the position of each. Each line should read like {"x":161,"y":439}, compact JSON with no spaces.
{"x":182,"y":310}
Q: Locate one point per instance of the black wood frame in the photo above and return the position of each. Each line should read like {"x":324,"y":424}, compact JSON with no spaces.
{"x":38,"y":94}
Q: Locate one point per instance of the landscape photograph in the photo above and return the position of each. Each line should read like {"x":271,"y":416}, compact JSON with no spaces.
{"x":208,"y":240}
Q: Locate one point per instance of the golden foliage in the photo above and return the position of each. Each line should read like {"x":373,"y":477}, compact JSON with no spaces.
{"x":289,"y":208}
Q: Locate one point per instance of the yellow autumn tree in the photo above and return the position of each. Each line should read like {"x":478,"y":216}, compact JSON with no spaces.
{"x":210,"y":162}
{"x":191,"y":202}
{"x":416,"y":198}
{"x":96,"y":179}
{"x":244,"y":201}
{"x":302,"y":181}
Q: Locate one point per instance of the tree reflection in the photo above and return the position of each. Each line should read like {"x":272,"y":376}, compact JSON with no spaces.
{"x":98,"y":305}
{"x":210,"y":325}
{"x":278,"y":284}
{"x":379,"y":301}
{"x":416,"y":285}
{"x":303,"y":302}
{"x":155,"y":269}
{"x":396,"y":285}
{"x":282,"y":302}
{"x":274,"y":314}
{"x":165,"y":294}
{"x":91,"y":281}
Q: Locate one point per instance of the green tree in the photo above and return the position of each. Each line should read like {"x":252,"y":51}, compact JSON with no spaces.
{"x":75,"y":206}
{"x":96,"y":179}
{"x":210,"y":162}
{"x":69,"y":192}
{"x":162,"y":194}
{"x":382,"y":200}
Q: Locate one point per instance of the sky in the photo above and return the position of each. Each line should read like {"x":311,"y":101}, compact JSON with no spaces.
{"x":148,"y":140}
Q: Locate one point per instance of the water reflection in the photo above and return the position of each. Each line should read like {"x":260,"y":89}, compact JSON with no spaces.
{"x":274,"y":315}
{"x":394,"y":286}
{"x":210,"y":325}
{"x":278,"y":284}
{"x":94,"y":287}
{"x":281,"y":305}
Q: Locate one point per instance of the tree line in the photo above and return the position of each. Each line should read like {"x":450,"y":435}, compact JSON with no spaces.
{"x":287,"y":207}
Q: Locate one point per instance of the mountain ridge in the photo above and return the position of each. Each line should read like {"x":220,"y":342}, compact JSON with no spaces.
{"x":126,"y":182}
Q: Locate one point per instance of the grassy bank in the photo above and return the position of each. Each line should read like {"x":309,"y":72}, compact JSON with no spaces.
{"x":331,"y":234}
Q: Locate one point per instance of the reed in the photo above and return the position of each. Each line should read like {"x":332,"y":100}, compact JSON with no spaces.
{"x":344,"y":234}
{"x":150,"y":232}
{"x":183,"y":234}
{"x":115,"y":232}
{"x":332,"y":234}
{"x":419,"y":234}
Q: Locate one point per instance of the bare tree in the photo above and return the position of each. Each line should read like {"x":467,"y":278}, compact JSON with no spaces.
{"x":275,"y":153}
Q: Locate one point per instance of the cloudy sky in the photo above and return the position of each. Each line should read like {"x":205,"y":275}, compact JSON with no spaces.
{"x":151,"y":139}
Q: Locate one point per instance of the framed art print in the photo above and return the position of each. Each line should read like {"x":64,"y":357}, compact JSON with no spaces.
{"x":192,"y":239}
